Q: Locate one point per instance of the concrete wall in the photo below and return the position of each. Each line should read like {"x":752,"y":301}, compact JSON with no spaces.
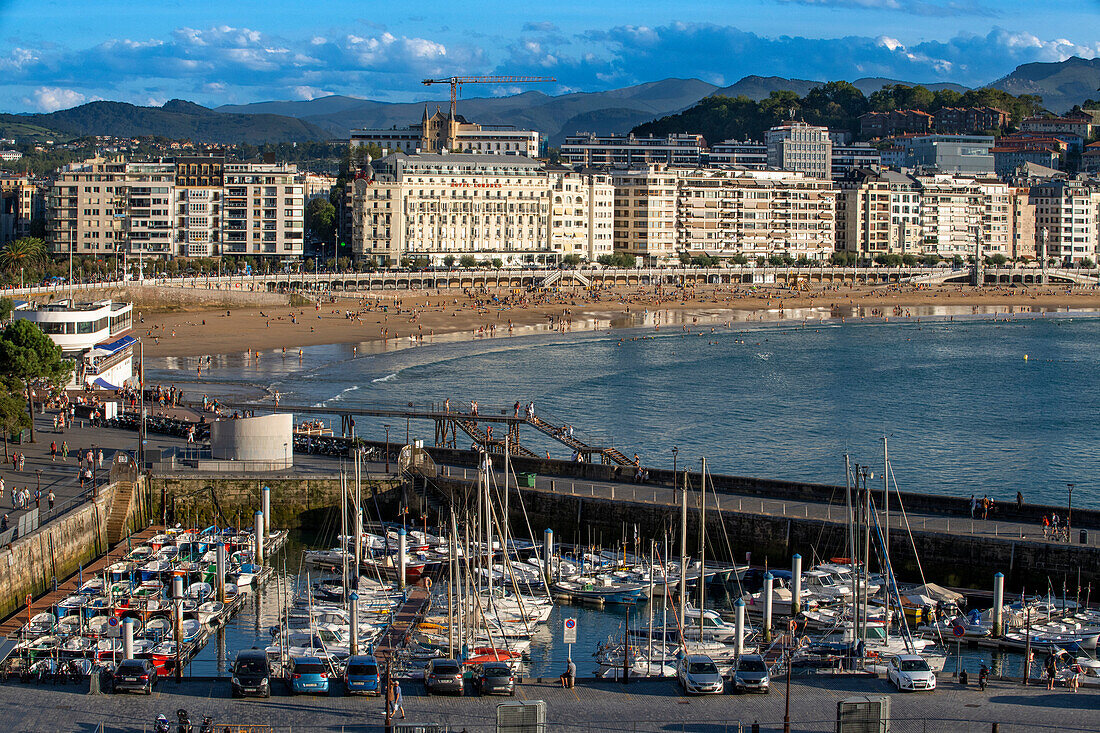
{"x":56,"y":550}
{"x":267,"y":438}
{"x":946,"y":558}
{"x":296,"y":503}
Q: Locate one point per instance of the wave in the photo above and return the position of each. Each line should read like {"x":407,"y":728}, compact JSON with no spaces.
{"x":387,"y":378}
{"x":337,"y":396}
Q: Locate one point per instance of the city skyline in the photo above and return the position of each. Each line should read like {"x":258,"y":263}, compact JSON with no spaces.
{"x":56,"y":54}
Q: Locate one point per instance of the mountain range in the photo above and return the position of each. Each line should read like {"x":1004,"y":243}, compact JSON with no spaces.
{"x":1061,"y":85}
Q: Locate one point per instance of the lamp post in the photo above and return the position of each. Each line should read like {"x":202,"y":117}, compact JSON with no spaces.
{"x":284,"y":456}
{"x":787,"y":703}
{"x":675,"y":451}
{"x":1069,"y":515}
{"x":387,"y":427}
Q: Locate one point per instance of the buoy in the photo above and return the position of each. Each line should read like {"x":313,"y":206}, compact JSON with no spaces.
{"x":1025,"y":357}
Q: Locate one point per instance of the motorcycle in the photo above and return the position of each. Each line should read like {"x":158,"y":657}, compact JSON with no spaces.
{"x":184,"y":722}
{"x":162,"y":725}
{"x":983,"y":675}
{"x":207,"y":724}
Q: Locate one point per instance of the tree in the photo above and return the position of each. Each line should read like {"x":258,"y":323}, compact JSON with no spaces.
{"x":7,"y":307}
{"x":321,"y":219}
{"x":449,"y":261}
{"x":28,"y":252}
{"x":13,"y":417}
{"x":467,"y":261}
{"x":739,"y":259}
{"x":497,"y":263}
{"x":571,"y":260}
{"x":998,"y":259}
{"x":31,"y":357}
{"x":931,"y":260}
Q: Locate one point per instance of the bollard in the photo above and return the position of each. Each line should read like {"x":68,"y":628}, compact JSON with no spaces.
{"x":401,"y":559}
{"x":267,"y":510}
{"x":548,"y":551}
{"x":258,"y":536}
{"x":219,"y":570}
{"x":768,"y":581}
{"x":796,"y":584}
{"x":739,"y":627}
{"x":353,"y":625}
{"x":127,"y":638}
{"x":998,"y":603}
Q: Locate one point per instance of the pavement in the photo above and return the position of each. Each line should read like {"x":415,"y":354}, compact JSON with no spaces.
{"x":643,"y":705}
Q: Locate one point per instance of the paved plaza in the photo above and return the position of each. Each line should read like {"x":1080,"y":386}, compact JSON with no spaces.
{"x":653,"y":705}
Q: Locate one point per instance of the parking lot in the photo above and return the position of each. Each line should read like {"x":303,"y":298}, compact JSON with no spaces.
{"x":652,"y":705}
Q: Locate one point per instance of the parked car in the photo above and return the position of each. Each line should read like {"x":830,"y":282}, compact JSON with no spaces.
{"x":909,"y":672}
{"x":361,"y":675}
{"x":750,"y":674}
{"x":698,"y":675}
{"x":307,"y":675}
{"x":496,"y":678}
{"x":251,"y":673}
{"x":135,"y":675}
{"x":443,"y":675}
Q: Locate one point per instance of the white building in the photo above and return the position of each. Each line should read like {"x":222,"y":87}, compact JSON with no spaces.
{"x":439,"y":132}
{"x":92,"y":334}
{"x":796,"y":146}
{"x":440,"y":205}
{"x":1068,"y":211}
{"x":264,"y":210}
{"x":589,"y":150}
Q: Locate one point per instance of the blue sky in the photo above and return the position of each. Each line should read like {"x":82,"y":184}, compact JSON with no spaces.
{"x":58,"y":54}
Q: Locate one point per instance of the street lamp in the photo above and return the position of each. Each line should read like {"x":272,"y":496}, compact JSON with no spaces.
{"x":1069,"y":516}
{"x":675,"y":451}
{"x":387,"y":427}
{"x":284,"y":456}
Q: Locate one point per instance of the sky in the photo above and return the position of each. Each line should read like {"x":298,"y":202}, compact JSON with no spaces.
{"x":55,"y":55}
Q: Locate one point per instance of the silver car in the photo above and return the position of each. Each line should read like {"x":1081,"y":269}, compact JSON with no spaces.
{"x":699,"y":675}
{"x":750,"y":674}
{"x":443,"y":675}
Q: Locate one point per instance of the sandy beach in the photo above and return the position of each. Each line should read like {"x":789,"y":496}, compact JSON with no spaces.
{"x":405,"y":316}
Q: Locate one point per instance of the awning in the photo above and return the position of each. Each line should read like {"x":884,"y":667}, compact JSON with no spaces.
{"x":115,"y":346}
{"x":103,"y":384}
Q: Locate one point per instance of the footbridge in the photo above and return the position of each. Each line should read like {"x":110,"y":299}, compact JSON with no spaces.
{"x":1005,"y":276}
{"x":493,"y":429}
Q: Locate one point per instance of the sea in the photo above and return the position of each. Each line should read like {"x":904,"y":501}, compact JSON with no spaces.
{"x":982,"y":401}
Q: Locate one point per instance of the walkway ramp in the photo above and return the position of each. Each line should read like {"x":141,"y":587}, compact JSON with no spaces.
{"x":561,"y":434}
{"x":406,"y":618}
{"x":493,"y":445}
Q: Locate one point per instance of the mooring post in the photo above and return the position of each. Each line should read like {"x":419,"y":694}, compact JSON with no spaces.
{"x":219,"y":569}
{"x":353,"y":625}
{"x":258,"y":536}
{"x":267,"y":509}
{"x":401,"y":558}
{"x":128,"y":638}
{"x":768,"y":581}
{"x":739,"y":627}
{"x":998,"y":603}
{"x":796,"y":584}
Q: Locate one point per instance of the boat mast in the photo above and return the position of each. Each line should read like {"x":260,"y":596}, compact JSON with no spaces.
{"x":649,"y":616}
{"x":886,"y":529}
{"x":452,"y":595}
{"x":344,"y":532}
{"x":358,"y":516}
{"x":851,"y":543}
{"x":683,"y":555}
{"x":702,"y":543}
{"x":865,"y":580}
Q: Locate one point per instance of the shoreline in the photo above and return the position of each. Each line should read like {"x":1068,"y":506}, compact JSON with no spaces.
{"x":404,"y":320}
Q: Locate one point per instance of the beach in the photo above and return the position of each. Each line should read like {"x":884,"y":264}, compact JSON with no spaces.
{"x":422,"y":316}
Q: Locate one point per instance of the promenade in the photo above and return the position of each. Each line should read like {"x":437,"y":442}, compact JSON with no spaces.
{"x":642,"y":705}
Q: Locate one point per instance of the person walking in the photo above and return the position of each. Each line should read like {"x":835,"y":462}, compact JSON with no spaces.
{"x":53,"y":450}
{"x":973,"y":505}
{"x":397,"y":700}
{"x":38,"y":498}
{"x":64,"y":450}
{"x":1051,"y":669}
{"x":22,"y":460}
{"x":99,"y":455}
{"x":1019,"y":501}
{"x":50,"y":498}
{"x":1046,"y":526}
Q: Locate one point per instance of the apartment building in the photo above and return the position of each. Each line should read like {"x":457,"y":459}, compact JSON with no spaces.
{"x":645,"y":213}
{"x":176,"y":207}
{"x":853,"y":156}
{"x":84,"y":208}
{"x":959,"y":213}
{"x":723,"y":212}
{"x":438,"y":132}
{"x":878,"y":212}
{"x":581,"y":213}
{"x":1058,"y":126}
{"x":436,"y":205}
{"x":1007,"y":159}
{"x":1021,"y":224}
{"x":1067,"y":210}
{"x":746,"y":154}
{"x":969,"y":119}
{"x":22,"y":202}
{"x":802,"y":148}
{"x":895,"y":122}
{"x":891,"y":212}
{"x":630,"y":151}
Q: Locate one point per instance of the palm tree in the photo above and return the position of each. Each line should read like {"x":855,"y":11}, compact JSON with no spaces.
{"x":26,"y":252}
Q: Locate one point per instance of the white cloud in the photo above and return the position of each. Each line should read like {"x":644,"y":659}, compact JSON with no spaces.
{"x":51,"y":99}
{"x":307,"y":93}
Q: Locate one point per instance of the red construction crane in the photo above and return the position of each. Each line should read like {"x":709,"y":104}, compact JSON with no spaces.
{"x":457,"y":81}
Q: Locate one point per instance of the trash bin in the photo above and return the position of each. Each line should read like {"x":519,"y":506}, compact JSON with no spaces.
{"x":529,"y":480}
{"x":1084,"y":537}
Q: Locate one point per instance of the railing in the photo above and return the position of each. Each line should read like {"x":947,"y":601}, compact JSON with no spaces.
{"x":38,"y":517}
